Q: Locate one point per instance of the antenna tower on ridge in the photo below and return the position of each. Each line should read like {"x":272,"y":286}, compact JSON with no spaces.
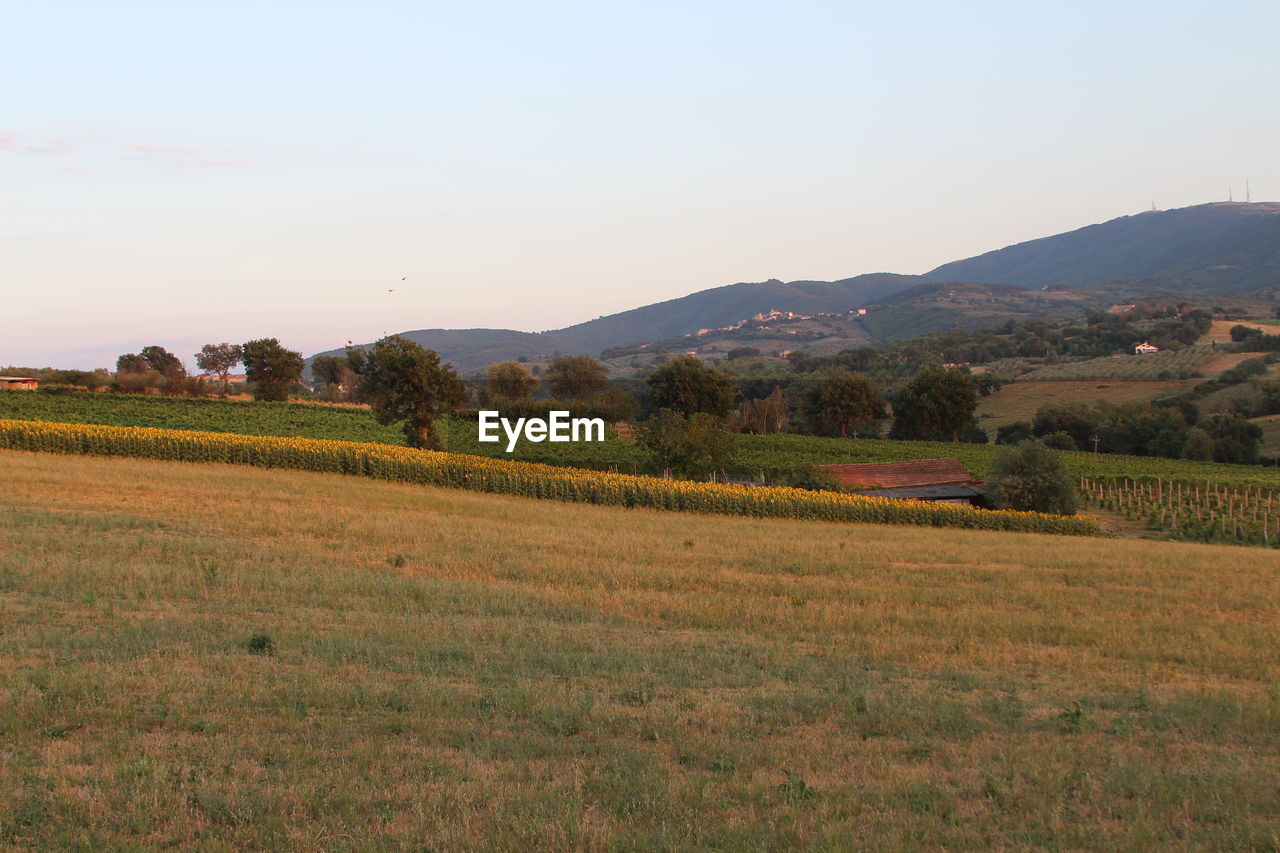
{"x":1247,"y":197}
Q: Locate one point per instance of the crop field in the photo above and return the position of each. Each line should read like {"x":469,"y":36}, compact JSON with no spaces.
{"x":305,"y":420}
{"x":524,"y":479}
{"x":1206,"y":512}
{"x":1166,"y":364}
{"x":308,"y":420}
{"x":220,"y":657}
{"x":755,"y":454}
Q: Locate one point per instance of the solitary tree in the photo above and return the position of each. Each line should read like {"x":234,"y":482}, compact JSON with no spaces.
{"x":687,"y":386}
{"x":330,"y":369}
{"x":219,"y":359}
{"x":576,"y":377}
{"x":1234,"y":438}
{"x":1014,"y":433}
{"x":847,"y":401}
{"x":766,"y":415}
{"x":687,"y":445}
{"x":271,"y":368}
{"x":131,"y":362}
{"x":402,"y":381}
{"x":511,"y":380}
{"x":1199,"y":445}
{"x":937,"y":405}
{"x":163,"y":362}
{"x":1029,"y":476}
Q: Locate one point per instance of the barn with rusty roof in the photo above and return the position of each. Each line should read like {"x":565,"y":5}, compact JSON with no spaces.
{"x":941,"y":480}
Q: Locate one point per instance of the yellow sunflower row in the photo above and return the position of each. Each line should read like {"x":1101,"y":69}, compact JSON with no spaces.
{"x":525,"y":479}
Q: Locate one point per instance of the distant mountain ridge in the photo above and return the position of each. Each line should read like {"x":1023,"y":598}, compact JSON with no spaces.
{"x":721,"y":306}
{"x":468,"y":349}
{"x":1189,"y":245}
{"x":1204,"y":250}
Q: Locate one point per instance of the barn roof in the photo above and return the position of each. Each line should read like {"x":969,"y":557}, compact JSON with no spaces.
{"x":899,"y":475}
{"x":946,"y":491}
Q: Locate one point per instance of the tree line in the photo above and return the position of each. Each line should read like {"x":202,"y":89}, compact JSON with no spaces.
{"x":687,"y":411}
{"x":271,"y":370}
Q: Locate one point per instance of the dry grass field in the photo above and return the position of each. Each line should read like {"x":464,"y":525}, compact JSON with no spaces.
{"x":1220,"y":331}
{"x":1270,"y":447}
{"x":1018,"y":401}
{"x":218,"y":658}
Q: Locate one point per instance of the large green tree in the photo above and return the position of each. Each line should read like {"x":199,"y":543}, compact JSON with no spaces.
{"x":688,"y":445}
{"x":1029,"y":476}
{"x":272,"y":369}
{"x":576,"y":377}
{"x":937,"y":405}
{"x":330,"y":369}
{"x":766,"y":415}
{"x":163,"y":362}
{"x":402,"y":381}
{"x":1234,"y":438}
{"x":131,"y":362}
{"x":687,"y":386}
{"x":511,"y":380}
{"x":847,"y":402}
{"x":219,"y":359}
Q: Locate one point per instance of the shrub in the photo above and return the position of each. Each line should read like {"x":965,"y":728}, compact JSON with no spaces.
{"x":1030,"y":477}
{"x":261,"y":644}
{"x":1014,"y":433}
{"x":1199,"y":445}
{"x":1060,"y":441}
{"x":688,"y":445}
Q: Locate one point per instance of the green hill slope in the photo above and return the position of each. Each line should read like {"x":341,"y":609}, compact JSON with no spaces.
{"x":1208,"y":248}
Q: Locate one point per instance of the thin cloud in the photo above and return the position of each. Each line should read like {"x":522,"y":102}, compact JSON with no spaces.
{"x":163,"y":149}
{"x":188,"y":156}
{"x":13,"y":140}
{"x":204,"y":164}
{"x":183,"y":155}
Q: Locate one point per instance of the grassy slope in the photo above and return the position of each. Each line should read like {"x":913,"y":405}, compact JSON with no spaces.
{"x":455,"y":670}
{"x":1019,"y":401}
{"x":1270,"y":424}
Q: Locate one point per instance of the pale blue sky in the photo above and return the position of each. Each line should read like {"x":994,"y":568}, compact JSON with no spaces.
{"x":182,"y":173}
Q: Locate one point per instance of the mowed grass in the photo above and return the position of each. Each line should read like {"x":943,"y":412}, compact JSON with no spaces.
{"x":214,"y":657}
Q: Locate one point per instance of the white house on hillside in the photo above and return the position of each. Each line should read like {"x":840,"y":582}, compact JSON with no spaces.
{"x":1145,"y":348}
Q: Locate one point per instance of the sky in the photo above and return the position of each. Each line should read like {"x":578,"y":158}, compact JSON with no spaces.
{"x":180,"y":173}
